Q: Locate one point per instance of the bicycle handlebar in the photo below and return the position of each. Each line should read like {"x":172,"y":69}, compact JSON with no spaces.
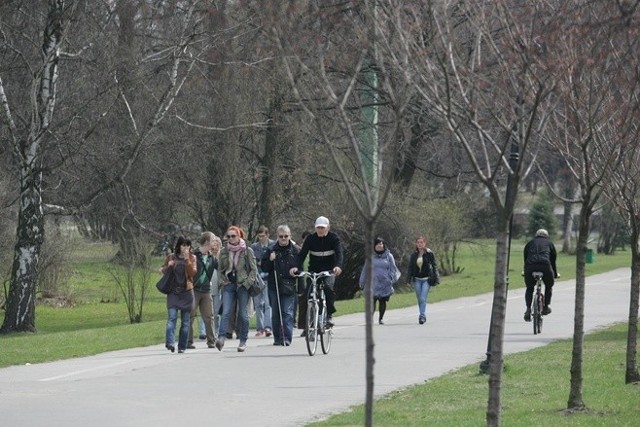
{"x":314,"y":275}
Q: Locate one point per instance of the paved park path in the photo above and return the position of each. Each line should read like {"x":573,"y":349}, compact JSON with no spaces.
{"x":283,"y":386}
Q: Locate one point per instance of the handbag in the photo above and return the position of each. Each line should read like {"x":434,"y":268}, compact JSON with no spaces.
{"x":392,"y":265}
{"x":165,"y":282}
{"x":434,"y":277}
{"x":257,"y":287}
{"x":287,"y":286}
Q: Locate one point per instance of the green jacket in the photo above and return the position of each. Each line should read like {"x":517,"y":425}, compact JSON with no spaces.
{"x":246,"y":270}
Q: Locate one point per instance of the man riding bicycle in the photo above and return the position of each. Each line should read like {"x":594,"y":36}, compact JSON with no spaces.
{"x":325,"y":254}
{"x":539,"y":255}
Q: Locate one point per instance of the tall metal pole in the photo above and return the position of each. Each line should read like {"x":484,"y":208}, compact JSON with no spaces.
{"x":369,"y":133}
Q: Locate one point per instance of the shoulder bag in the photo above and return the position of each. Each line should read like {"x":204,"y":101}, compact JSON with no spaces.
{"x":258,"y":285}
{"x":165,"y":282}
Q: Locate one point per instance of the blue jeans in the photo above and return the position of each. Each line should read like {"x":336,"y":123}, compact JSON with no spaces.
{"x":185,"y":325}
{"x":232,"y":295}
{"x":263,"y":309}
{"x":422,"y":293}
{"x":287,"y":306}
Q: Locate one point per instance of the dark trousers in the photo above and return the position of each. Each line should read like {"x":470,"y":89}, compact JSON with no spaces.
{"x":547,"y":278}
{"x":382,"y":303}
{"x":302,"y":310}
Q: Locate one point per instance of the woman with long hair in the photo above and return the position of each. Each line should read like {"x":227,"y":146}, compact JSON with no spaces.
{"x":237,"y":271}
{"x":423,"y":274}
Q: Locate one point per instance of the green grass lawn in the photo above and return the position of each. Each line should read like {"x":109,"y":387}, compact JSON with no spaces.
{"x":535,"y":389}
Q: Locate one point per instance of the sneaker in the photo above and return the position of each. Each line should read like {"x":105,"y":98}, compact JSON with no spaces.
{"x":181,"y":351}
{"x":220,"y":344}
{"x":421,"y":320}
{"x":277,"y":343}
{"x":191,"y":346}
{"x":229,"y":335}
{"x":242,"y":347}
{"x":329,"y":322}
{"x":268,"y":332}
{"x":527,"y":315}
{"x":203,"y":337}
{"x":381,"y":322}
{"x":546,"y":310}
{"x":171,"y":348}
{"x":260,"y":334}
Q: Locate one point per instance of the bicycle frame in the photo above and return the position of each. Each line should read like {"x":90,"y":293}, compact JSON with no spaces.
{"x":316,"y":314}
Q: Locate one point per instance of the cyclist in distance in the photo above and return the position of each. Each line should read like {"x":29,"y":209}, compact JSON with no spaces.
{"x":325,"y":254}
{"x":539,"y":255}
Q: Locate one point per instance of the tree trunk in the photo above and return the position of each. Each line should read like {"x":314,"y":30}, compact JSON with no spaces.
{"x":567,"y":226}
{"x":268,"y":163}
{"x":20,"y":307}
{"x":370,"y":343}
{"x":567,"y":217}
{"x":631,"y":373}
{"x":575,"y":401}
{"x":498,"y":311}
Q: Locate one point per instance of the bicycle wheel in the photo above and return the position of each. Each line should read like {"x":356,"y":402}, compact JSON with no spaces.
{"x":540,"y":307}
{"x":312,"y":328}
{"x":326,"y":335}
{"x":537,"y":314}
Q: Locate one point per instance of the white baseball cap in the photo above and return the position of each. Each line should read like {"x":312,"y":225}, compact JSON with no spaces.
{"x":322,"y":221}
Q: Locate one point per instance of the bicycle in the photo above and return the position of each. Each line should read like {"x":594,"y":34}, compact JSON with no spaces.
{"x":537,"y":304}
{"x":316,"y":314}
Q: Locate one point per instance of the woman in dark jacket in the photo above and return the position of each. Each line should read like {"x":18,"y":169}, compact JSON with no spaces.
{"x":422,"y":273}
{"x":184,"y":266}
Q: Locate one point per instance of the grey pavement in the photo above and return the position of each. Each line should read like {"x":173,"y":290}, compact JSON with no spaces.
{"x":284,"y":386}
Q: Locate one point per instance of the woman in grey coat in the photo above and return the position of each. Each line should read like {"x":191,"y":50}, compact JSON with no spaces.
{"x":385,"y":275}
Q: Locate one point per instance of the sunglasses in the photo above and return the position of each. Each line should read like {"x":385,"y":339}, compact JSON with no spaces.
{"x":231,"y":236}
{"x":283,"y":236}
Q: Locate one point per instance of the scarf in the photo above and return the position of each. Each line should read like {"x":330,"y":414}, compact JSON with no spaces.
{"x":235,"y":251}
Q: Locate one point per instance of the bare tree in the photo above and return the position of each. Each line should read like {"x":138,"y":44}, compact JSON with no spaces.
{"x":626,"y":183}
{"x":626,"y":178}
{"x":45,"y":143}
{"x":27,"y":142}
{"x":477,"y":66}
{"x":587,"y":132}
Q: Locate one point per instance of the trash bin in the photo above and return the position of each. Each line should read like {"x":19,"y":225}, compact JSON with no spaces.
{"x":588,"y":256}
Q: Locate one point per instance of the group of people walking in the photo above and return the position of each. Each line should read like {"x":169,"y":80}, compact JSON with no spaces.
{"x":217,"y":278}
